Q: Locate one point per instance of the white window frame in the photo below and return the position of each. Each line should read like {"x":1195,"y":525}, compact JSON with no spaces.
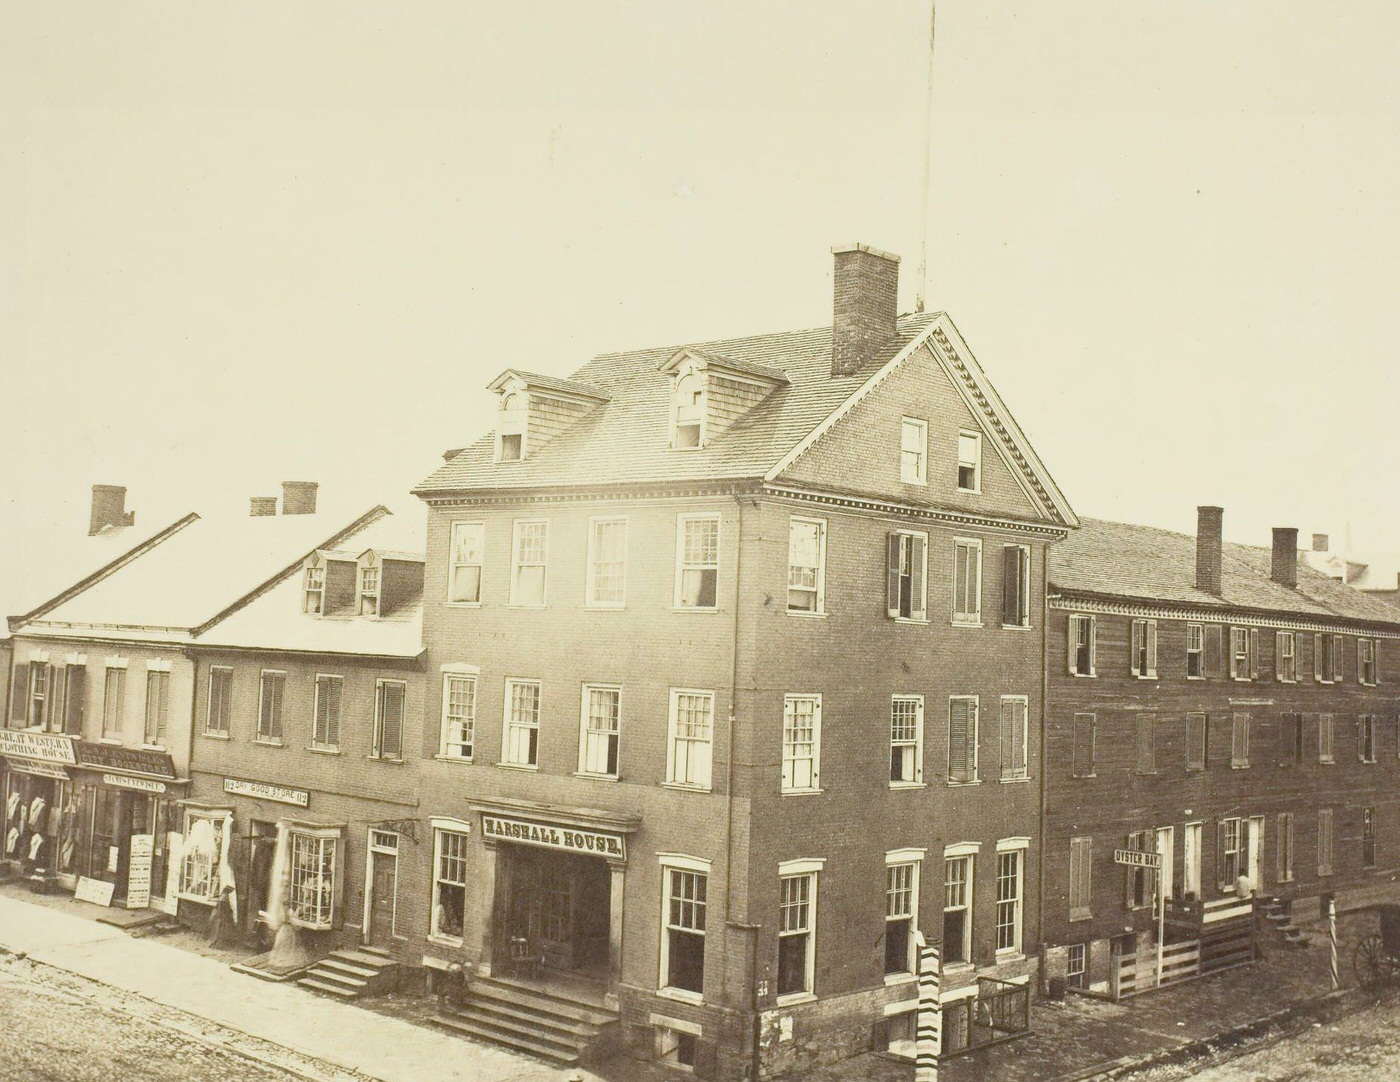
{"x":974,"y":462}
{"x":918,"y":602}
{"x":972,"y":616}
{"x":1142,"y":650}
{"x":1072,"y":626}
{"x":1367,"y":659}
{"x":1013,"y":849}
{"x":1368,"y":735}
{"x":1009,"y":770}
{"x":916,"y":746}
{"x":674,"y":740}
{"x":363,"y":591}
{"x":510,"y":727}
{"x":682,"y":523}
{"x":1326,"y":738}
{"x":586,"y":732}
{"x":463,"y":831}
{"x":695,"y":413}
{"x":325,"y":913}
{"x":797,"y":767}
{"x":468,"y":735}
{"x":817,"y":590}
{"x":685,"y":865}
{"x":974,"y":734}
{"x":313,"y":587}
{"x":457,"y":548}
{"x":217,"y":816}
{"x":270,"y":738}
{"x":590,"y":595}
{"x":1241,"y":657}
{"x":516,"y":424}
{"x":913,"y":430}
{"x":377,"y":750}
{"x":317,"y":743}
{"x":1023,"y":585}
{"x":1198,"y":633}
{"x":811,"y":871}
{"x":964,"y":854}
{"x":912,"y":859}
{"x":1286,"y":649}
{"x":210,"y":715}
{"x":517,"y":565}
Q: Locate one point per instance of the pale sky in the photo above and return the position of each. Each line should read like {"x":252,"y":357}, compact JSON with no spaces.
{"x":265,"y":241}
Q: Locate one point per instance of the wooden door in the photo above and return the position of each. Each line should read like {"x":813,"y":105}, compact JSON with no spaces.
{"x":384,"y":876}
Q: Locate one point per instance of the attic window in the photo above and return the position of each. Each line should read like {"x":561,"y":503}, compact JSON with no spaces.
{"x":369,"y":591}
{"x":689,"y":408}
{"x":514,"y":411}
{"x":314,"y":591}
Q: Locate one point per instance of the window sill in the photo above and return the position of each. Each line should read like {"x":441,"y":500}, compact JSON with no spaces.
{"x":1144,"y":676}
{"x":1144,"y":773}
{"x":446,"y":941}
{"x":1076,"y":915}
{"x":323,"y":750}
{"x":804,"y":614}
{"x":800,"y":792}
{"x":1083,"y":775}
{"x":958,"y":968}
{"x":1239,"y":766}
{"x":892,"y":979}
{"x":920,"y":620}
{"x":519,"y":766}
{"x":1190,"y":677}
{"x":1327,"y":762}
{"x":1019,"y":780}
{"x":269,"y":743}
{"x":598,"y":606}
{"x":694,"y":608}
{"x":386,"y":759}
{"x":1281,"y":680}
{"x":957,"y":622}
{"x":680,"y":995}
{"x":534,"y":605}
{"x":1010,"y":954}
{"x":686,"y":787}
{"x":464,"y":759}
{"x":970,"y":491}
{"x":462,"y":604}
{"x":596,"y":777}
{"x":959,"y":784}
{"x":896,"y":786}
{"x":215,"y":736}
{"x":152,"y":747}
{"x":1084,"y":675}
{"x":1017,"y":627}
{"x":793,"y":999}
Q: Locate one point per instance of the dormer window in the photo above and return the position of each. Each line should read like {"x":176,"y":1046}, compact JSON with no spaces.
{"x":689,"y":405}
{"x":515,"y":409}
{"x":369,"y":591}
{"x":314,"y":589}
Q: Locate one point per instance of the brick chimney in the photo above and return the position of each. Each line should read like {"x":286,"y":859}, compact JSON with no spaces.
{"x":109,"y":508}
{"x":299,"y":497}
{"x":262,"y":506}
{"x":866,"y":306}
{"x":1285,"y":564}
{"x":1208,"y":545}
{"x":1320,"y":542}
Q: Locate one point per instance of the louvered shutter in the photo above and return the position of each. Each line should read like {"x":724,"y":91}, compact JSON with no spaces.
{"x":1019,"y":712}
{"x":1254,"y":653}
{"x":1093,"y":645}
{"x":1152,"y":648}
{"x":19,"y":695}
{"x":1358,"y":661}
{"x":1221,"y":876}
{"x":1008,"y":739}
{"x":75,"y":701}
{"x":958,"y":723}
{"x":1339,"y":659}
{"x":1135,"y":647}
{"x":892,"y":591}
{"x":1010,"y":569}
{"x":917,"y":603}
{"x":1214,"y":644}
{"x":1071,"y":642}
{"x":1361,"y":737}
{"x":1317,"y":656}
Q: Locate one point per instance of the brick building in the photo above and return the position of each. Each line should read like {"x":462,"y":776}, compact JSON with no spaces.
{"x":736,"y":649}
{"x":1224,"y":706}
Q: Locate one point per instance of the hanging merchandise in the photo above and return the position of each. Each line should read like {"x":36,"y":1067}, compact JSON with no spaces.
{"x":227,"y":887}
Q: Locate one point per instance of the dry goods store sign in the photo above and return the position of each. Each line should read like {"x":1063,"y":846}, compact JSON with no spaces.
{"x":571,"y":839}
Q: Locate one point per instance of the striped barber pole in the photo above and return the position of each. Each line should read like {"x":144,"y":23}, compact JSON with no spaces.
{"x":1332,"y":942}
{"x":928,"y":1032}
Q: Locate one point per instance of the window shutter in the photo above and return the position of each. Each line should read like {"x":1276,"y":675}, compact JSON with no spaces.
{"x":19,"y":695}
{"x":1339,"y":659}
{"x":1134,"y":646}
{"x":1008,"y":738}
{"x":1361,"y":737}
{"x":76,"y":700}
{"x":1317,"y":656}
{"x":1093,"y":645}
{"x":892,"y":591}
{"x":1220,"y":877}
{"x":1151,"y":647}
{"x":1254,"y":653}
{"x":1071,"y":641}
{"x":1020,"y":715}
{"x":1214,"y":648}
{"x":917,"y":602}
{"x":1010,"y":585}
{"x":957,"y":741}
{"x":1358,"y":661}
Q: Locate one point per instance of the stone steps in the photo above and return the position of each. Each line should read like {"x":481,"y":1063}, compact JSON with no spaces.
{"x":551,"y":1025}
{"x":349,"y":974}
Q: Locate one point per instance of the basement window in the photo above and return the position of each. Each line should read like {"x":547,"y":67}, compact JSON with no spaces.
{"x":675,"y":1047}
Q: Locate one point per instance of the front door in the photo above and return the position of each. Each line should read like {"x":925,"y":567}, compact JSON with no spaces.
{"x":383,"y":887}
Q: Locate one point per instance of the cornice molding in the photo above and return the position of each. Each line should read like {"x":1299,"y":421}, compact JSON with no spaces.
{"x":1237,"y":617}
{"x":909,"y":511}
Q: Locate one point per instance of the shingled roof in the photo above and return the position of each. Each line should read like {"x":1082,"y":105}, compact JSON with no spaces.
{"x":1144,"y":563}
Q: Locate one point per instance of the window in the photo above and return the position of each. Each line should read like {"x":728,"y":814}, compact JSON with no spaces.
{"x":1013,"y":736}
{"x":970,"y":461}
{"x":1138,"y":881}
{"x":806,"y":565}
{"x":1243,"y":652}
{"x":1009,"y":868}
{"x":311,"y":901}
{"x":1286,"y":656}
{"x":606,"y":585}
{"x":1015,"y":586}
{"x":1338,"y":658}
{"x":40,"y":688}
{"x":1215,"y":649}
{"x":515,"y":416}
{"x":314,"y":588}
{"x":907,"y":569}
{"x":1368,"y":837}
{"x":1146,"y":761}
{"x":1142,"y":658}
{"x":1366,"y":661}
{"x":1083,"y":753}
{"x":449,"y":883}
{"x":962,"y":738}
{"x":458,"y":716}
{"x":1081,"y":645}
{"x":683,"y":930}
{"x":913,"y":451}
{"x":522,"y":723}
{"x":901,"y":905}
{"x":220,"y":706}
{"x":1327,"y":658}
{"x":1324,"y":739}
{"x":113,"y":696}
{"x":1293,"y":733}
{"x":692,"y":733}
{"x":1076,"y":964}
{"x":205,"y":834}
{"x":957,"y":909}
{"x":369,"y":591}
{"x":802,"y":732}
{"x":1228,"y":839}
{"x":1285,"y":847}
{"x":967,"y":581}
{"x":906,"y":740}
{"x":270,"y":693}
{"x":1081,"y":863}
{"x":1195,"y":741}
{"x":1195,"y":652}
{"x":676,"y":1047}
{"x":598,"y":739}
{"x":689,"y":407}
{"x":467,"y":556}
{"x":157,"y":706}
{"x":389,"y":698}
{"x":1324,"y":841}
{"x":528,"y":570}
{"x":325,"y":721}
{"x":1366,"y":737}
{"x":1239,"y":741}
{"x":697,"y":561}
{"x":796,"y":924}
{"x":75,"y":698}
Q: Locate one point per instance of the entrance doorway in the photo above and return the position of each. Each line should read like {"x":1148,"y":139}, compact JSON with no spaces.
{"x":114,"y":815}
{"x":383,"y":885}
{"x":262,"y":840}
{"x":556,"y":906}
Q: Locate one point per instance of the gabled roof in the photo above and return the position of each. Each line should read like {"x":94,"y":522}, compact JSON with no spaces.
{"x":538,"y":382}
{"x":1144,"y":563}
{"x":766,"y":373}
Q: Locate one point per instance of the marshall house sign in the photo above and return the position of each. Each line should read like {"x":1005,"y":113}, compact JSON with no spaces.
{"x":495,"y":828}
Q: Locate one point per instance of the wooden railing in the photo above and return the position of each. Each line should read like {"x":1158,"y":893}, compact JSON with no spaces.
{"x":999,"y":1012}
{"x":1223,"y":936}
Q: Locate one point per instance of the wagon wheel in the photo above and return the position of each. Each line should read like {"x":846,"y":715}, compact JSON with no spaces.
{"x":1371,"y":962}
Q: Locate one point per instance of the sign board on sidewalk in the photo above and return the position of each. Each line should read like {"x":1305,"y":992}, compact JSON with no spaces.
{"x":94,"y":891}
{"x":1135,"y":859}
{"x":138,"y":876}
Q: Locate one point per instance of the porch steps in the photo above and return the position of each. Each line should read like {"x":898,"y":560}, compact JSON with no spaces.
{"x":350,"y":974}
{"x":549,"y":1025}
{"x":1278,"y":917}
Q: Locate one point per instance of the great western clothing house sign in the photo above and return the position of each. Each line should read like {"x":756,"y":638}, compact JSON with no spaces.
{"x":570,"y":839}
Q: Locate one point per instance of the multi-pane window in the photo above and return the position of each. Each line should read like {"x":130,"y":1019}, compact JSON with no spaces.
{"x":467,"y":556}
{"x":1229,"y":843}
{"x":796,"y":954}
{"x":449,"y":884}
{"x":1009,"y":869}
{"x":970,"y":461}
{"x":906,"y":739}
{"x":1076,"y":964}
{"x":1195,"y":652}
{"x":369,"y":591}
{"x":522,"y":723}
{"x":690,"y":748}
{"x":1324,"y":841}
{"x":1142,"y":652}
{"x":967,"y":581}
{"x":1137,"y":881}
{"x":1284,"y":835}
{"x":40,"y":683}
{"x":1146,"y":759}
{"x":1286,"y":656}
{"x":1082,"y":765}
{"x":527,"y":576}
{"x":913,"y":451}
{"x":311,"y":891}
{"x":697,"y":561}
{"x":683,"y":951}
{"x":113,"y":699}
{"x":314,"y":589}
{"x":1195,"y":741}
{"x":598,"y":739}
{"x":907,"y":565}
{"x":1366,"y":737}
{"x":1081,"y":863}
{"x":220,"y":706}
{"x":1368,"y":837}
{"x":325,"y":722}
{"x":1013,"y":736}
{"x":1081,"y":645}
{"x":157,"y":705}
{"x":1325,"y":752}
{"x":606,"y":586}
{"x":1366,"y":661}
{"x":901,"y":886}
{"x":199,"y":864}
{"x":962,"y":738}
{"x":458,"y":716}
{"x":957,"y":909}
{"x":271,"y":690}
{"x":802,"y":719}
{"x":389,"y":698}
{"x":806,"y":559}
{"x":1242,"y":652}
{"x":1015,"y":586}
{"x":1239,"y":741}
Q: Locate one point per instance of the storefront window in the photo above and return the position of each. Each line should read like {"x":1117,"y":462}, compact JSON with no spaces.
{"x":450,"y":884}
{"x":39,"y":819}
{"x":199,"y":864}
{"x":312,"y":894}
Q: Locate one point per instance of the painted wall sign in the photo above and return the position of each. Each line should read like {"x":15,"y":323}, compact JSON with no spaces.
{"x":121,"y":781}
{"x":262,"y":791}
{"x":613,"y":846}
{"x":94,"y":891}
{"x":43,"y":770}
{"x":47,"y":747}
{"x":127,"y":760}
{"x":138,"y":876}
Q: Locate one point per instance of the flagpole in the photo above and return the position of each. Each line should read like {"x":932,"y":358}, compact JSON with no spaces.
{"x":928,"y":166}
